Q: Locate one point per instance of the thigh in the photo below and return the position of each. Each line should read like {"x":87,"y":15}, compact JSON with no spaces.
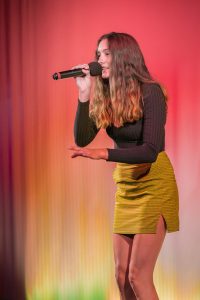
{"x":146,"y":247}
{"x":122,"y":245}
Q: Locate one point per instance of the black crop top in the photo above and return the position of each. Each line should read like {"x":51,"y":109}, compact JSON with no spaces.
{"x":137,"y":142}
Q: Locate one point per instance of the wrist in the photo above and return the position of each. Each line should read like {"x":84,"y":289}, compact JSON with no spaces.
{"x":104,"y":154}
{"x":84,"y":96}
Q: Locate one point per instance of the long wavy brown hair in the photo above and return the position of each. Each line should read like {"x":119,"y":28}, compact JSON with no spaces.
{"x":118,"y":100}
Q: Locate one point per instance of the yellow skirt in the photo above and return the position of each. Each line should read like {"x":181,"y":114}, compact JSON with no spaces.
{"x":144,"y":192}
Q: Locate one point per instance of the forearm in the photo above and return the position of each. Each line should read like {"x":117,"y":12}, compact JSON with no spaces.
{"x":136,"y":155}
{"x":85,"y":129}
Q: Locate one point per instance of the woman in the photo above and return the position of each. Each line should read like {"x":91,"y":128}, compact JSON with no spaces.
{"x":131,"y":106}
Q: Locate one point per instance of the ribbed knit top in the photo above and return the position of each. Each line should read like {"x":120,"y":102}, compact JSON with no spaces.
{"x":134,"y":143}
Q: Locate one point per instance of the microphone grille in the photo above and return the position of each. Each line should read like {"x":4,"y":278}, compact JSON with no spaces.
{"x":95,"y":68}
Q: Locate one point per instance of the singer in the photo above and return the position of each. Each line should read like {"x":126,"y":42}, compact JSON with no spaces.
{"x":131,"y":106}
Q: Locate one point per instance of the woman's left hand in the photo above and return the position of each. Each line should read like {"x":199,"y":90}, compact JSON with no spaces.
{"x":89,"y":153}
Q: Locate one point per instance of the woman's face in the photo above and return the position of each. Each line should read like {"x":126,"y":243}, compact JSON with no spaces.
{"x":104,"y":58}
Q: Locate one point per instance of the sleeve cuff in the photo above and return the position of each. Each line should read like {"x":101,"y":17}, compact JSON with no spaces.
{"x":86,"y":103}
{"x":109,"y":155}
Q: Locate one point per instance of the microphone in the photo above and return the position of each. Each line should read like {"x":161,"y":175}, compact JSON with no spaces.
{"x":94,"y":67}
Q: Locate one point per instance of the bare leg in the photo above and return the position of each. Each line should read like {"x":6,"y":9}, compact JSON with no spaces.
{"x":145,"y":250}
{"x":122,"y":252}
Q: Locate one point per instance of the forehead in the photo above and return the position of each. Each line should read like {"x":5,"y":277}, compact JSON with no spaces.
{"x":103,"y":45}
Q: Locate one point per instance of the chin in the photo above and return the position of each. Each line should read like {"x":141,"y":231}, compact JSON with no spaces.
{"x":105,"y":76}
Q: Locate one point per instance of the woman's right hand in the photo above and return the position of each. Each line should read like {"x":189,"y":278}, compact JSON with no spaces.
{"x":83,"y":83}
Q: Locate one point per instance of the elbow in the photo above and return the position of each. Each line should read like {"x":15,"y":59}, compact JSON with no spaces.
{"x":152,"y":154}
{"x":80,"y":139}
{"x":80,"y":143}
{"x":153,"y":158}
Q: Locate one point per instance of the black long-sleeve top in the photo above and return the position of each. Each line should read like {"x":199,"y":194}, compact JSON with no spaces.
{"x":137,"y":142}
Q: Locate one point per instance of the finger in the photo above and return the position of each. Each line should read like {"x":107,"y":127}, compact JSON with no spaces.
{"x":75,"y":154}
{"x":73,"y":148}
{"x":86,"y":71}
{"x":83,"y":66}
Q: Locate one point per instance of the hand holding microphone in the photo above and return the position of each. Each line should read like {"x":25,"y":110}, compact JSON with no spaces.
{"x":94,"y":67}
{"x":82,"y":74}
{"x":83,"y":82}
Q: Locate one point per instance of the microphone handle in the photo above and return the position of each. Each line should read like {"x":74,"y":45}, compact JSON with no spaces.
{"x":67,"y":74}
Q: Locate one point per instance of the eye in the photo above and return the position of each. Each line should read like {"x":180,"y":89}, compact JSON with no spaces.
{"x":97,"y":55}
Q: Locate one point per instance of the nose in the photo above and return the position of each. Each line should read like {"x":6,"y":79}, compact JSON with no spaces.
{"x":100,"y":60}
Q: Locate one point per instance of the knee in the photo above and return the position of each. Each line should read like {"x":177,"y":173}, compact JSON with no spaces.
{"x":138,"y":278}
{"x":120,"y":275}
{"x":134,"y":277}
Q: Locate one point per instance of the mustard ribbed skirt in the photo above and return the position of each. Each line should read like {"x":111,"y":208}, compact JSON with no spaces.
{"x":144,"y":192}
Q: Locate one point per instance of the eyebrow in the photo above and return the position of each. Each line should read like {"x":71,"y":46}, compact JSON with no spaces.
{"x":106,"y":49}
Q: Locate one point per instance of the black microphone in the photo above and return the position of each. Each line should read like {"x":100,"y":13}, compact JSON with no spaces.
{"x":94,"y":67}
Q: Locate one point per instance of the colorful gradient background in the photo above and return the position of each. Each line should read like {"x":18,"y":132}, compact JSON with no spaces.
{"x":56,"y":212}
